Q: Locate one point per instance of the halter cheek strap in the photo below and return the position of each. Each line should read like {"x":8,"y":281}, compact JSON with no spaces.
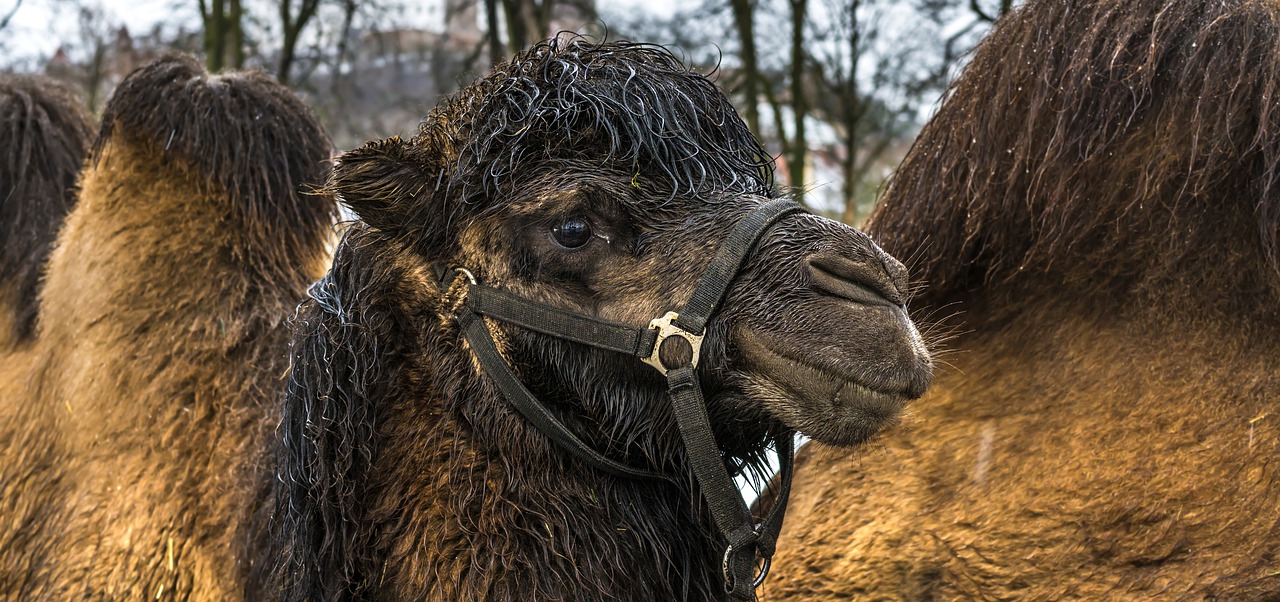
{"x":470,"y":302}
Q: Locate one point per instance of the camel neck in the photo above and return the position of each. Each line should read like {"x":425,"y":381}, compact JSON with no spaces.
{"x":536,"y":527}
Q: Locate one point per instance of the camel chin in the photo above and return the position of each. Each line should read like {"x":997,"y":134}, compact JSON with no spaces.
{"x":837,"y":393}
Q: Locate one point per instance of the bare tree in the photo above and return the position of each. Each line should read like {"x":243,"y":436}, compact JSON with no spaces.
{"x":84,"y":60}
{"x":4,"y":21}
{"x":799,"y":146}
{"x":744,"y":23}
{"x":292,"y":24}
{"x":349,"y":8}
{"x":223,"y":34}
{"x":1002,"y":7}
{"x":972,"y":16}
{"x":870,"y":83}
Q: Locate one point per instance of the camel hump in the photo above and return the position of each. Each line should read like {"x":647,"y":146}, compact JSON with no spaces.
{"x":242,"y":133}
{"x":44,"y":135}
{"x":1135,"y":152}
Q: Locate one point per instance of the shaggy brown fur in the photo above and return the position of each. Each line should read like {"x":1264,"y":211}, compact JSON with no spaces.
{"x":404,"y":473}
{"x":44,"y":135}
{"x":132,"y":436}
{"x":1098,"y":202}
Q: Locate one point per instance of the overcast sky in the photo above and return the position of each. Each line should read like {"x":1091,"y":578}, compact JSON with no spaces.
{"x":40,"y":25}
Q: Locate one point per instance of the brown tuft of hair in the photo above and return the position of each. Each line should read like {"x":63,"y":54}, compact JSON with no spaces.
{"x":1114,"y":148}
{"x":250,"y":138}
{"x":44,"y":135}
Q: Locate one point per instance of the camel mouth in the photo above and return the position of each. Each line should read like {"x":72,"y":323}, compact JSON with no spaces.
{"x":823,"y":398}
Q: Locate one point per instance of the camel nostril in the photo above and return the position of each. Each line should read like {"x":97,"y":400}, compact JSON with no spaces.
{"x":860,"y":281}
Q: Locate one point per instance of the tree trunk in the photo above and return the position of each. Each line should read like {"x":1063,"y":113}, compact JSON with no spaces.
{"x":799,"y":104}
{"x":853,"y":111}
{"x":523,"y":26}
{"x":235,"y":35}
{"x":223,"y":34}
{"x":4,"y":22}
{"x":496,"y":53}
{"x":292,"y":26}
{"x":214,"y":35}
{"x":742,"y":20}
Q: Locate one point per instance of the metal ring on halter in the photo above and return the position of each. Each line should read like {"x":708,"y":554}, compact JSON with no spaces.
{"x":728,"y":578}
{"x":456,"y":296}
{"x":764,"y":571}
{"x":724,"y":569}
{"x":464,"y":271}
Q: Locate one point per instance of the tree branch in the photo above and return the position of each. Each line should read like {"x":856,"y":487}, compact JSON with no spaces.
{"x":13,"y":11}
{"x":973,"y":5}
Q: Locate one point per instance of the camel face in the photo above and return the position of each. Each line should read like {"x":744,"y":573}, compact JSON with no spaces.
{"x":812,"y":334}
{"x":601,"y":180}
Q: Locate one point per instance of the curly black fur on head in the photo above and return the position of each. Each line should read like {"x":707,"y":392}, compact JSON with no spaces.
{"x":1121,"y":148}
{"x":670,"y":128}
{"x":254,"y":139}
{"x":44,"y":135}
{"x":670,"y":125}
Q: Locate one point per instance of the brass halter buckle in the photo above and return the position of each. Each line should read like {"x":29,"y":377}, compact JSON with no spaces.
{"x":667,"y":330}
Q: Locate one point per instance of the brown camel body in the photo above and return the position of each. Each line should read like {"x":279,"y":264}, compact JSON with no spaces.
{"x":1096,"y":205}
{"x":132,"y":429}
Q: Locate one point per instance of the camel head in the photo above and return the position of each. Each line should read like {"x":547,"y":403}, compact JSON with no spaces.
{"x":601,"y":179}
{"x":596,"y":181}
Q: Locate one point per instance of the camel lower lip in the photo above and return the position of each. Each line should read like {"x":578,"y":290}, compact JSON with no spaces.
{"x":806,"y":380}
{"x":827,"y":405}
{"x":852,"y":395}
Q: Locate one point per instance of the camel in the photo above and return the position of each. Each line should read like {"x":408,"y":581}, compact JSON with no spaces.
{"x":594,"y":181}
{"x":44,"y":135}
{"x":1096,"y":206}
{"x":133,"y":426}
{"x":167,"y":435}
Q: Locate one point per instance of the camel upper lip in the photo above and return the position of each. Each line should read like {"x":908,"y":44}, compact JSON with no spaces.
{"x":855,"y":281}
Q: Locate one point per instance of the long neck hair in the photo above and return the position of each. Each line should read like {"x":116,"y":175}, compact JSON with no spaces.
{"x":1118,"y":151}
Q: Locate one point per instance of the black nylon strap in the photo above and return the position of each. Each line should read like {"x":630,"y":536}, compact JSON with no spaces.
{"x":728,"y":510}
{"x":477,"y":335}
{"x":588,"y":330}
{"x":785,"y":445}
{"x":728,"y":261}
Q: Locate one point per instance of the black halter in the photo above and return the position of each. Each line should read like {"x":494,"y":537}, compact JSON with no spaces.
{"x":469,"y":301}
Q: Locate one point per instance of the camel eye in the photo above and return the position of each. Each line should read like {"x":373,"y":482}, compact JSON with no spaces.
{"x":572,"y":233}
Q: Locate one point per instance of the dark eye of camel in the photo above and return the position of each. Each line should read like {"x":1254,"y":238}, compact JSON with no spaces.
{"x":572,"y":233}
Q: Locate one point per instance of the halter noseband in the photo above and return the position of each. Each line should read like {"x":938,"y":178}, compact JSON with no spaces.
{"x":469,"y":301}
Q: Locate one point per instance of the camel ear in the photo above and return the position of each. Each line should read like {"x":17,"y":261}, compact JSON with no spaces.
{"x":389,"y":184}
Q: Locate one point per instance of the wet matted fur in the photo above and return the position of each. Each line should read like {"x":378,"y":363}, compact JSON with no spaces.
{"x":44,"y":136}
{"x":132,"y":437}
{"x":406,"y":475}
{"x":1097,"y":203}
